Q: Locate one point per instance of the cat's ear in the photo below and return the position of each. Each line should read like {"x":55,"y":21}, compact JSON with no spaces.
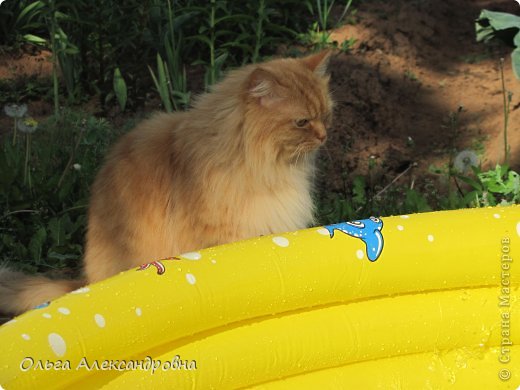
{"x":318,"y":62}
{"x":263,"y":86}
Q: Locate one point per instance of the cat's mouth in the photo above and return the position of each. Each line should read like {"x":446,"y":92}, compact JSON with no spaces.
{"x":303,"y":149}
{"x":316,"y":142}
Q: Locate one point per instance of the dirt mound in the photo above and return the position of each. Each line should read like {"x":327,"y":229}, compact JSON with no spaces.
{"x":417,"y":88}
{"x":25,"y":64}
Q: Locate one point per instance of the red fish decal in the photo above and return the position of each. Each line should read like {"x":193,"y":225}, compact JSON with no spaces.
{"x":161,"y":269}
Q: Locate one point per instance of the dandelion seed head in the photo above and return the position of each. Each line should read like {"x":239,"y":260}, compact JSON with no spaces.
{"x":14,"y":110}
{"x":28,"y":125}
{"x":465,"y":160}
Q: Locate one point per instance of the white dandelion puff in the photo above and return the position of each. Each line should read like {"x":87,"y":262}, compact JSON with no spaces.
{"x":28,"y":125}
{"x":14,"y":110}
{"x":465,"y":160}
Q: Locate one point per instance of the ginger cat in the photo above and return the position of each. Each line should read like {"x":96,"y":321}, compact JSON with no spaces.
{"x":239,"y":164}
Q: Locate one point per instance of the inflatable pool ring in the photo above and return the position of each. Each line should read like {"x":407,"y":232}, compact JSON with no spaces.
{"x":413,"y":301}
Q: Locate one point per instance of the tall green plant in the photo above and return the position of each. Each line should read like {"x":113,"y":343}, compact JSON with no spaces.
{"x":53,"y":28}
{"x":176,"y":72}
{"x":259,"y":32}
{"x":162,"y":83}
{"x":68,"y":58}
{"x":318,"y":35}
{"x":323,"y":9}
{"x":208,"y":35}
{"x":506,"y":95}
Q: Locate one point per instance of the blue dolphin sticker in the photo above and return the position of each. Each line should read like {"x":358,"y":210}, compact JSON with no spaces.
{"x":367,"y":230}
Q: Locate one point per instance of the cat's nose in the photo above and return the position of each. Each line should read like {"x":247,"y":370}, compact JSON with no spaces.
{"x":321,"y":136}
{"x":320,"y":133}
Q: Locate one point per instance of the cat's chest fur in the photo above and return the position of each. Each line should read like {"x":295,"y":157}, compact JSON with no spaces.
{"x":285,"y":206}
{"x":279,"y":211}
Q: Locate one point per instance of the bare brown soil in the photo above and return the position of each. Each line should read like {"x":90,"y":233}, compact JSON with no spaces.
{"x":25,"y":64}
{"x":414,"y":65}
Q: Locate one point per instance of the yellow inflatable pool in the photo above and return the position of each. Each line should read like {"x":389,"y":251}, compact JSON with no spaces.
{"x":409,"y":302}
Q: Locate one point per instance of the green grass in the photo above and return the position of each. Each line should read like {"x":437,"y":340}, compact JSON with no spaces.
{"x":43,"y":199}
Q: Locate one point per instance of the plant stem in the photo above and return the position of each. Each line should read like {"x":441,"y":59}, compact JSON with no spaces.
{"x":259,"y":32}
{"x":71,"y":158}
{"x":412,"y":165}
{"x":27,"y":153}
{"x":15,"y":130}
{"x":101,"y":54}
{"x":320,"y":13}
{"x":19,"y":212}
{"x":212,"y":43}
{"x":170,"y":23}
{"x":54,"y":59}
{"x":345,"y":10}
{"x":83,"y":206}
{"x":171,"y":67}
{"x":506,"y":112}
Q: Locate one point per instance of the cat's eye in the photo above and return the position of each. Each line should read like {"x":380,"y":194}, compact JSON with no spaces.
{"x":301,"y":122}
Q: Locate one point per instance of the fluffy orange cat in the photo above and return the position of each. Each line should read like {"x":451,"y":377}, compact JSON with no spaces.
{"x":239,"y":164}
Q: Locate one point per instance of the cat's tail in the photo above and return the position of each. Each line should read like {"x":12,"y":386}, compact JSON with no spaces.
{"x":20,"y":292}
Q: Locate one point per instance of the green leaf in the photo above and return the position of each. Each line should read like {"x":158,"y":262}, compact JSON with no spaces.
{"x":237,"y":17}
{"x":36,"y":243}
{"x":516,"y":39}
{"x":57,"y":231}
{"x":495,"y":187}
{"x":512,"y":184}
{"x":473,"y":183}
{"x":414,"y":201}
{"x":161,"y":83}
{"x":358,"y":190}
{"x":66,"y":188}
{"x":8,"y":172}
{"x":500,"y":20}
{"x":202,"y":38}
{"x":34,"y":39}
{"x":515,"y":59}
{"x":59,"y":256}
{"x":30,"y":11}
{"x":219,"y":61}
{"x":120,"y":89}
{"x":490,"y":22}
{"x":181,"y":19}
{"x":490,"y":199}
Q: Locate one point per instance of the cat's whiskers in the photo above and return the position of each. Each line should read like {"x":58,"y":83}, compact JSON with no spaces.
{"x":298,"y":152}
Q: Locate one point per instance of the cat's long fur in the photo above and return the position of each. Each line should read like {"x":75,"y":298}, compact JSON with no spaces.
{"x":237,"y":165}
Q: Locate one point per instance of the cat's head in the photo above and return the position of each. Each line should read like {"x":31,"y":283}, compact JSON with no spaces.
{"x":289,"y":107}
